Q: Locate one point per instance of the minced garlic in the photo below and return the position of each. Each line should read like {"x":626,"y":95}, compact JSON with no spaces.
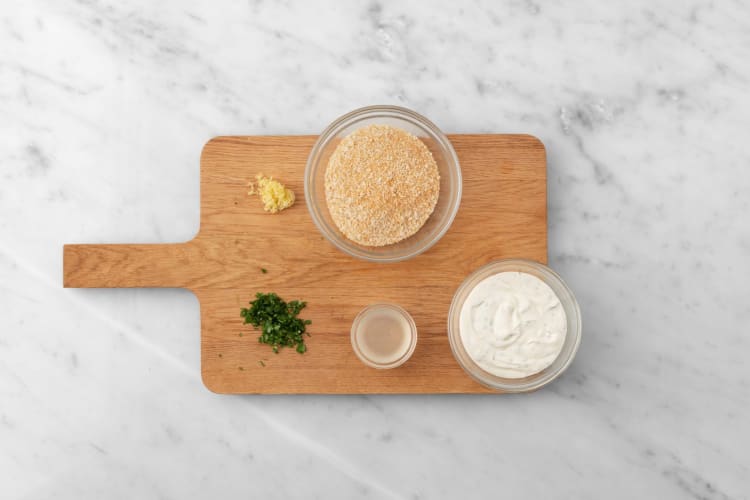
{"x":274,"y":195}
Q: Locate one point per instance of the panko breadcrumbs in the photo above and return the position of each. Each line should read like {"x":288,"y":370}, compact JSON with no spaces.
{"x":382,"y":183}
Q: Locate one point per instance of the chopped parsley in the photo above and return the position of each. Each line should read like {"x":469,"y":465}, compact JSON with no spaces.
{"x":278,"y":321}
{"x":263,"y":270}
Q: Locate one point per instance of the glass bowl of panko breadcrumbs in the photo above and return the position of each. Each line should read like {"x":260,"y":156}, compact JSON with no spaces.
{"x":383,"y":184}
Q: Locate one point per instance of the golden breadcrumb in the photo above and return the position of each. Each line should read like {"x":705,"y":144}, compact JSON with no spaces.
{"x":381,"y":184}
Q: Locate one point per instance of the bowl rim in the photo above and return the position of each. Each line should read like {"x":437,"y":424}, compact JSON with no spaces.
{"x":479,"y":374}
{"x":341,"y":122}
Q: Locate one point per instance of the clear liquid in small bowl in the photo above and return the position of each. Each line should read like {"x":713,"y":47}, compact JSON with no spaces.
{"x":383,"y":335}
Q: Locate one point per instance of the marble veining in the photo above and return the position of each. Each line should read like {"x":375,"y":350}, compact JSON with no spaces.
{"x":644,"y":110}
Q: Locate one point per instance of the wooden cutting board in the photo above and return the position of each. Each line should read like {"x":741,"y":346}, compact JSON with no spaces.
{"x":503,"y":214}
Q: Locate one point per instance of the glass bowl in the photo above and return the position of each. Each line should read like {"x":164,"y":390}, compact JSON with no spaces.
{"x":570,"y":345}
{"x":357,"y":336}
{"x":445,"y":157}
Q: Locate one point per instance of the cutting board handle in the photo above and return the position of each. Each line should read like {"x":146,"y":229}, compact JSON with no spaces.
{"x":126,"y":266}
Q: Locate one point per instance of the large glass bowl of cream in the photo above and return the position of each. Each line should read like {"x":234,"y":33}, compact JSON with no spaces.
{"x":514,"y":325}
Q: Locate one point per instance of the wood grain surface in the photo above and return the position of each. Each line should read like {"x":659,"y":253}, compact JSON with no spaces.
{"x":503,"y":214}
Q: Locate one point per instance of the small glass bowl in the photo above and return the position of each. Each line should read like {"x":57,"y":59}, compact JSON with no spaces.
{"x":374,"y":308}
{"x":445,"y":157}
{"x":572,"y":338}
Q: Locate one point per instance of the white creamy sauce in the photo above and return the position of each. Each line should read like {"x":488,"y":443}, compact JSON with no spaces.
{"x":513,"y":325}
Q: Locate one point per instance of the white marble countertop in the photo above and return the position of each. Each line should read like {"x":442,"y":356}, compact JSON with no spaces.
{"x":644,"y":109}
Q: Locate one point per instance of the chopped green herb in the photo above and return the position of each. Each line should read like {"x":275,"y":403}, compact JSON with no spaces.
{"x":263,"y":270}
{"x":240,"y":368}
{"x":280,"y":326}
{"x":261,"y":363}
